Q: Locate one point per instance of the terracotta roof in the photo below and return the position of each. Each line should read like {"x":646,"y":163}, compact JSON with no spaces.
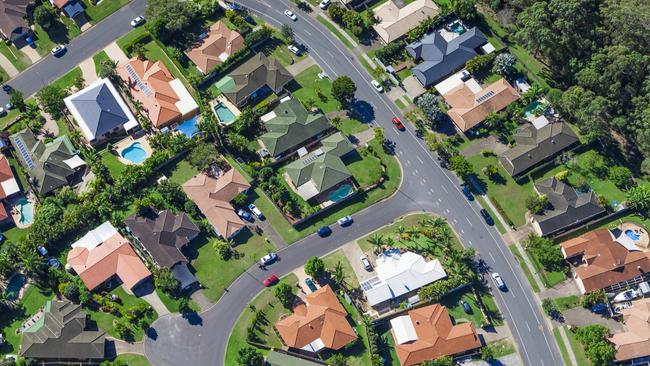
{"x":321,"y":317}
{"x":436,"y":336}
{"x":394,"y":22}
{"x":608,"y":261}
{"x":469,"y":109}
{"x":113,"y":257}
{"x":213,"y":50}
{"x":635,"y":341}
{"x":213,"y":196}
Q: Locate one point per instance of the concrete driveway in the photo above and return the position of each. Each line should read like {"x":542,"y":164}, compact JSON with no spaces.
{"x":353,"y":252}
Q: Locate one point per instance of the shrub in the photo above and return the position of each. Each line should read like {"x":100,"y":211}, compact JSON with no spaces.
{"x":480,"y":63}
{"x":621,"y":177}
{"x":284,"y":294}
{"x":562,"y":176}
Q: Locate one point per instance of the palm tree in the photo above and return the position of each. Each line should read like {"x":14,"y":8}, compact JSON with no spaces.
{"x":377,"y":241}
{"x":338,"y":275}
{"x":401,"y":233}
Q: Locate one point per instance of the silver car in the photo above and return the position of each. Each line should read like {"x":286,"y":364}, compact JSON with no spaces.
{"x":268,"y":259}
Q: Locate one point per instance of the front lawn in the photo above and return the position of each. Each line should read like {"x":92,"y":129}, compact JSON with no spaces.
{"x":61,"y":32}
{"x":99,"y":58}
{"x":549,"y":278}
{"x":453,"y":303}
{"x":311,"y":88}
{"x":132,"y":359}
{"x":103,"y":9}
{"x":524,"y":267}
{"x":350,"y":126}
{"x":68,"y":79}
{"x":578,"y":349}
{"x":276,"y":48}
{"x":33,"y":299}
{"x":365,"y":167}
{"x":332,"y":259}
{"x":173,"y":304}
{"x":17,"y":58}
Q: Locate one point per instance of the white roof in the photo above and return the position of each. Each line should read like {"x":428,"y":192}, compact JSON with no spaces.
{"x":314,"y":346}
{"x":522,"y":85}
{"x":96,"y":236}
{"x":540,"y":122}
{"x":186,"y":104}
{"x":267,"y":117}
{"x":74,"y":162}
{"x":10,"y":186}
{"x":403,"y":329}
{"x":455,"y":80}
{"x":625,"y":241}
{"x":307,"y":190}
{"x":488,"y":48}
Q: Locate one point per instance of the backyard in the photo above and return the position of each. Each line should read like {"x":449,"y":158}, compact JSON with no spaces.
{"x":103,"y":9}
{"x":33,"y":299}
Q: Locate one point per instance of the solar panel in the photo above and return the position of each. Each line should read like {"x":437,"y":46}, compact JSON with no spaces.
{"x":310,"y":159}
{"x":145,"y":89}
{"x":485,"y":97}
{"x":25,"y":155}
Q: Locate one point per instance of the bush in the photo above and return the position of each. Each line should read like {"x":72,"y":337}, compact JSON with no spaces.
{"x":621,"y":177}
{"x":71,"y":291}
{"x":592,"y":298}
{"x":392,"y":52}
{"x":546,"y":252}
{"x":284,"y":294}
{"x":315,"y":267}
{"x":480,"y":63}
{"x":536,"y":204}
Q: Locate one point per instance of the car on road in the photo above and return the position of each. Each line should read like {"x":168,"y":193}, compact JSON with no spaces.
{"x":366,"y":263}
{"x":58,"y":50}
{"x":324,"y":4}
{"x":7,"y":88}
{"x":466,"y":308}
{"x":345,"y":220}
{"x":487,"y":217}
{"x":324,"y":231}
{"x":41,"y":250}
{"x":268,"y":259}
{"x":375,"y":84}
{"x":294,"y":50}
{"x":256,"y":211}
{"x":310,"y":284}
{"x":290,"y":15}
{"x":468,"y":193}
{"x":272,"y":280}
{"x":138,"y":21}
{"x":398,"y":124}
{"x":498,"y":281}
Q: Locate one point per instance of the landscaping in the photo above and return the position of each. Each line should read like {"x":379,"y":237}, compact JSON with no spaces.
{"x":339,"y":256}
{"x":12,"y":319}
{"x":15,"y":56}
{"x":453,"y":303}
{"x":103,"y":9}
{"x":313,"y":89}
{"x":524,"y":267}
{"x":114,"y":165}
{"x":133,"y":359}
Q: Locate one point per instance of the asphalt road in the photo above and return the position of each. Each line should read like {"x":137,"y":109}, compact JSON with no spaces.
{"x":425,"y":187}
{"x":80,"y":48}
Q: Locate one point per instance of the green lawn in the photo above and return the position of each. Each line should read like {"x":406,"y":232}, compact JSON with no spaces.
{"x":550,"y":278}
{"x":524,"y":267}
{"x":453,"y":303}
{"x":180,"y":172}
{"x":328,"y":24}
{"x":562,"y":346}
{"x":99,"y":58}
{"x":114,"y":165}
{"x":350,"y":126}
{"x":311,"y":85}
{"x":332,"y":259}
{"x":497,"y":222}
{"x":63,"y":30}
{"x":388,"y":352}
{"x":277,"y":48}
{"x":68,"y":79}
{"x":130,"y":37}
{"x":365,"y":167}
{"x":104,"y":9}
{"x":173,"y":304}
{"x":578,"y":350}
{"x":33,"y":299}
{"x":266,"y":302}
{"x":133,"y":359}
{"x":358,"y":354}
{"x":17,"y":57}
{"x":502,"y":348}
{"x":567,"y":302}
{"x":399,"y":104}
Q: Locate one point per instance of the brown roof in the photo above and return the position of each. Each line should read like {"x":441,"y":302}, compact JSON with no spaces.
{"x":5,"y":174}
{"x":113,"y":257}
{"x":321,"y":317}
{"x":608,"y":262}
{"x":436,"y":336}
{"x":635,"y":341}
{"x":220,"y":41}
{"x":60,"y":3}
{"x":213,"y":196}
{"x":12,"y":15}
{"x":469,"y":109}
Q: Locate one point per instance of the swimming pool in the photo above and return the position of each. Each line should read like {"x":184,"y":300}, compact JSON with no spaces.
{"x":457,"y":27}
{"x":188,"y":128}
{"x":535,"y":108}
{"x":224,"y":115}
{"x":26,"y":209}
{"x":632,"y":235}
{"x":13,"y":287}
{"x":134,"y":153}
{"x":340,"y":193}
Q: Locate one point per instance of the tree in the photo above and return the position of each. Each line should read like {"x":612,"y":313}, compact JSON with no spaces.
{"x":548,"y":306}
{"x":51,"y":98}
{"x":202,"y":156}
{"x":338,"y":275}
{"x":429,"y":107}
{"x":487,"y":353}
{"x":594,"y":339}
{"x":562,"y":176}
{"x":338,"y":359}
{"x":284,"y":294}
{"x":167,"y":18}
{"x":287,"y":32}
{"x":491,"y":171}
{"x":465,"y":9}
{"x":45,"y":16}
{"x":343,"y":89}
{"x":504,"y":64}
{"x":379,"y":134}
{"x":480,"y":63}
{"x":223,"y":248}
{"x":139,"y":51}
{"x":536,"y":203}
{"x":621,"y":177}
{"x":594,"y":297}
{"x":546,"y":252}
{"x":377,"y":241}
{"x":336,"y":12}
{"x":107,"y":69}
{"x":249,"y":356}
{"x":71,"y":291}
{"x":315,"y":267}
{"x":165,"y":281}
{"x":461,"y":166}
{"x":122,"y":328}
{"x":639,"y":198}
{"x":440,"y":361}
{"x":16,"y":98}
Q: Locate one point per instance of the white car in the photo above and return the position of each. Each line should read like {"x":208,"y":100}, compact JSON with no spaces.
{"x":498,"y":281}
{"x":291,"y":15}
{"x":137,"y":21}
{"x":345,"y":220}
{"x":268,"y":259}
{"x":365,"y":262}
{"x":323,"y":75}
{"x":377,"y":86}
{"x":294,"y":50}
{"x":256,"y":211}
{"x":2,"y":111}
{"x":58,"y":50}
{"x":324,"y":4}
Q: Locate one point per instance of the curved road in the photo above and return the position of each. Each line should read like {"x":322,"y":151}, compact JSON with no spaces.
{"x":425,"y":187}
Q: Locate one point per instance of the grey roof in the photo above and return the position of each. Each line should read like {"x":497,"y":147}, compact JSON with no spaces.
{"x":63,"y":333}
{"x":183,"y":274}
{"x":99,"y":109}
{"x":440,"y":58}
{"x":164,"y":235}
{"x":568,"y":207}
{"x":534,"y":146}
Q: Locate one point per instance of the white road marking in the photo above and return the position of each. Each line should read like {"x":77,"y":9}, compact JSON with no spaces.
{"x":445,"y":189}
{"x":462,"y":231}
{"x":527,"y":326}
{"x":420,"y":159}
{"x":408,"y":162}
{"x":491,"y":256}
{"x":470,"y":242}
{"x":467,"y":218}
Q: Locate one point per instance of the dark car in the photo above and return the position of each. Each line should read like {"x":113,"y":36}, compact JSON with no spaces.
{"x":468,"y":193}
{"x":466,"y":307}
{"x":245,"y":215}
{"x":54,"y":263}
{"x":41,"y":250}
{"x":7,"y":88}
{"x":487,"y":217}
{"x":324,"y":231}
{"x":599,"y":308}
{"x":310,"y":284}
{"x":272,"y":280}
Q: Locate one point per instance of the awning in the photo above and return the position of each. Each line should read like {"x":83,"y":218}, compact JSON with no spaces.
{"x":184,"y":275}
{"x":131,"y":125}
{"x":74,"y":162}
{"x":403,"y":329}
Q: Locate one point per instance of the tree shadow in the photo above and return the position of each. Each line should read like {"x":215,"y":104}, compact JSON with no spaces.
{"x":362,"y":111}
{"x":58,"y":33}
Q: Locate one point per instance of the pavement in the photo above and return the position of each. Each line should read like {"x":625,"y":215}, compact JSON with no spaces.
{"x":8,"y":66}
{"x":88,"y":70}
{"x":353,"y":252}
{"x":115,"y":53}
{"x":509,"y":360}
{"x":300,"y":66}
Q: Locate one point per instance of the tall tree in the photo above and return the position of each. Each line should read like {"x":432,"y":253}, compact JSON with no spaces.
{"x":168,"y":17}
{"x":343,"y":89}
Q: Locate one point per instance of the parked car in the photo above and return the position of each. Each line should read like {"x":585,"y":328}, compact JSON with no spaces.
{"x":366,"y":263}
{"x":487,"y":217}
{"x":324,"y":231}
{"x":137,"y":21}
{"x":599,"y":308}
{"x":324,"y":4}
{"x":377,"y":86}
{"x":345,"y":220}
{"x":466,"y":308}
{"x":294,"y":50}
{"x":58,"y":50}
{"x":7,"y":88}
{"x":398,"y":124}
{"x":54,"y":263}
{"x":41,"y":250}
{"x":323,"y":75}
{"x":310,"y":284}
{"x":468,"y":193}
{"x":2,"y":111}
{"x":245,"y":215}
{"x":498,"y":281}
{"x":290,"y":15}
{"x":256,"y":211}
{"x":268,"y":259}
{"x":272,"y":280}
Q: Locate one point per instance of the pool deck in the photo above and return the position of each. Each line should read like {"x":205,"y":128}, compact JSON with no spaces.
{"x":126,"y":142}
{"x":15,"y":212}
{"x":223,"y":100}
{"x":644,"y":239}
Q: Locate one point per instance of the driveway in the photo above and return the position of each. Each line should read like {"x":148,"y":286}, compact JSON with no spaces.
{"x":353,"y":252}
{"x":580,"y":317}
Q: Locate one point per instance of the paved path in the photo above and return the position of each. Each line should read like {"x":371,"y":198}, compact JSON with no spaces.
{"x":509,"y":360}
{"x":115,"y":53}
{"x":155,"y":302}
{"x":50,"y":127}
{"x":88,"y":70}
{"x":32,"y":53}
{"x":200,"y":299}
{"x":301,"y":65}
{"x":353,"y":253}
{"x":122,"y":347}
{"x":8,"y":66}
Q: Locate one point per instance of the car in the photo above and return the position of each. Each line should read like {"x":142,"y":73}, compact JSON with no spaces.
{"x":398,"y":124}
{"x":466,"y":308}
{"x":377,"y":86}
{"x":272,"y":280}
{"x":56,"y":51}
{"x":498,"y":281}
{"x":487,"y":217}
{"x":2,"y":111}
{"x":256,"y":211}
{"x":294,"y":50}
{"x":324,"y":231}
{"x":323,"y":75}
{"x":41,"y":250}
{"x":268,"y":259}
{"x":310,"y":284}
{"x":365,"y":262}
{"x":7,"y":88}
{"x":345,"y":220}
{"x":250,"y":20}
{"x":468,"y":193}
{"x":290,"y":15}
{"x":245,"y":215}
{"x":137,"y":21}
{"x":324,"y":4}
{"x":54,"y":263}
{"x":9,"y":106}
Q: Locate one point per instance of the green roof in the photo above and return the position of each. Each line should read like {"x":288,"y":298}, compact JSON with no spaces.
{"x":282,"y":359}
{"x":257,"y":72}
{"x":291,"y":126}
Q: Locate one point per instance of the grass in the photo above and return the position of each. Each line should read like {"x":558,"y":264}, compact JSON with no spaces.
{"x":550,"y":278}
{"x":33,"y":299}
{"x":102,"y":10}
{"x":388,"y":352}
{"x":133,"y":359}
{"x":311,"y":85}
{"x":524,"y":267}
{"x":562,"y":346}
{"x":356,"y":354}
{"x":366,"y":168}
{"x":180,"y":172}
{"x":277,"y":48}
{"x":61,"y":32}
{"x":567,"y":302}
{"x":126,"y":40}
{"x":266,"y":302}
{"x":332,"y":259}
{"x":350,"y":126}
{"x":15,"y":56}
{"x":68,"y":79}
{"x":114,"y":165}
{"x":400,"y":104}
{"x":502,"y":348}
{"x":173,"y":304}
{"x":578,"y":350}
{"x":491,"y":307}
{"x":334,"y":30}
{"x":453,"y":303}
{"x":99,"y":58}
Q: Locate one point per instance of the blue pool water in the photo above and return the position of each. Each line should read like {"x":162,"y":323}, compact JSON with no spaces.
{"x":188,"y":128}
{"x":632,"y":235}
{"x":224,"y":115}
{"x":340,"y":193}
{"x":535,"y":108}
{"x":13,"y":287}
{"x":134,"y":153}
{"x":26,"y":209}
{"x":456,"y":27}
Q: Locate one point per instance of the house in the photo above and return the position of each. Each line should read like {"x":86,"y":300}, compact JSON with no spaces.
{"x":100,"y":112}
{"x":470,"y":107}
{"x":320,"y":322}
{"x":606,"y":260}
{"x":428,"y":333}
{"x":254,"y":79}
{"x":568,"y":207}
{"x":395,"y":22}
{"x":322,"y":170}
{"x":633,"y":345}
{"x":399,"y":275}
{"x":104,"y":254}
{"x":534,"y":146}
{"x":63,"y":334}
{"x":290,"y":126}
{"x":8,"y":186}
{"x":162,"y":238}
{"x":73,"y":9}
{"x":275,"y":358}
{"x":213,"y":195}
{"x":220,"y":43}
{"x":164,"y":98}
{"x":13,"y":22}
{"x":50,"y":165}
{"x":439,"y":57}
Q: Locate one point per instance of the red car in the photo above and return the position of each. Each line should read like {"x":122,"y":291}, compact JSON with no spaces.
{"x":272,"y":280}
{"x":398,"y":124}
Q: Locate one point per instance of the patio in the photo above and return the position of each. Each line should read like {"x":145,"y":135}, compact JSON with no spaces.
{"x":142,"y":143}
